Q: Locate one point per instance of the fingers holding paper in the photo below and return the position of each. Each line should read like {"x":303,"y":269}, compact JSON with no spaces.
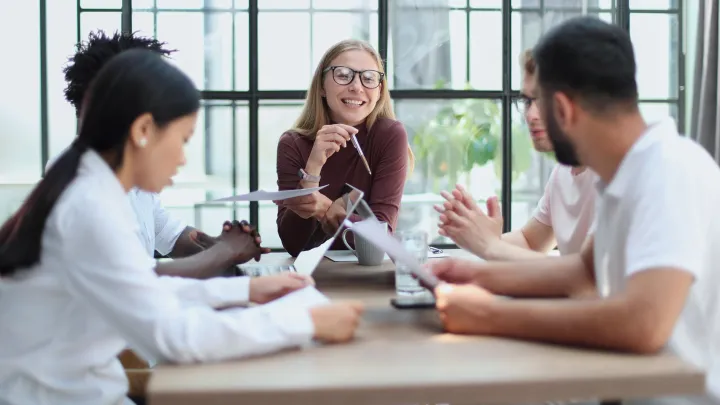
{"x":336,"y":323}
{"x":314,"y":205}
{"x":268,"y":288}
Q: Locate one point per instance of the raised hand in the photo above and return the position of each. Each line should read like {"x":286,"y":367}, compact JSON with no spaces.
{"x":314,"y":205}
{"x":466,"y":224}
{"x":329,"y":140}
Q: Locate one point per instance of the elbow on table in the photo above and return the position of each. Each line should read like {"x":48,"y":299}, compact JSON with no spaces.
{"x":644,"y":337}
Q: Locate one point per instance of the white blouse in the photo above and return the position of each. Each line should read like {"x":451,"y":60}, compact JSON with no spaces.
{"x":95,"y":292}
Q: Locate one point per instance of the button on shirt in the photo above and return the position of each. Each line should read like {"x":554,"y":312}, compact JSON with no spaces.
{"x":661,"y":210}
{"x":94,"y":292}
{"x":157,"y":229}
{"x":568,"y":207}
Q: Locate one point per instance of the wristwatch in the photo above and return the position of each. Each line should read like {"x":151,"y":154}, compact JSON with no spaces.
{"x":308,"y":177}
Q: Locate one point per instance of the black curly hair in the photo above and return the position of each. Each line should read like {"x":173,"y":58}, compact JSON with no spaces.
{"x":93,"y":54}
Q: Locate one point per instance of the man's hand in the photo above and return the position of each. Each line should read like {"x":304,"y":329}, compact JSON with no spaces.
{"x":202,"y":239}
{"x":241,"y":241}
{"x":464,"y":309}
{"x":314,"y":205}
{"x":466,"y":224}
{"x":268,"y":288}
{"x":456,"y":271}
{"x":336,"y":322}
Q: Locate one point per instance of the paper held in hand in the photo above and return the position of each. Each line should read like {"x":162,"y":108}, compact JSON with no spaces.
{"x":262,"y":195}
{"x":374,"y":233}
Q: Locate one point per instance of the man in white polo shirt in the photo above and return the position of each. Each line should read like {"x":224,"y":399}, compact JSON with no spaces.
{"x":563,"y":217}
{"x":653,"y":260}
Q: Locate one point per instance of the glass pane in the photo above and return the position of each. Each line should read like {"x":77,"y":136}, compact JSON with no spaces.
{"x":180,"y":4}
{"x":486,"y":3}
{"x":653,"y":4}
{"x":530,"y":171}
{"x":653,"y":112}
{"x":117,"y":4}
{"x":20,"y":161}
{"x":330,"y":28}
{"x":447,"y":153}
{"x":283,"y":4}
{"x":208,"y":172}
{"x":105,"y":21}
{"x":528,"y":27}
{"x":242,"y":52}
{"x":142,"y":5}
{"x":564,"y":4}
{"x":143,"y":23}
{"x":345,"y":4}
{"x":486,"y":53}
{"x":274,"y":118}
{"x":62,"y":125}
{"x":427,"y":46}
{"x":655,"y":38}
{"x":284,"y":61}
{"x":241,"y":4}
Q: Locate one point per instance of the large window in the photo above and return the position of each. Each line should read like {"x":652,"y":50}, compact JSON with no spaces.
{"x":446,"y":61}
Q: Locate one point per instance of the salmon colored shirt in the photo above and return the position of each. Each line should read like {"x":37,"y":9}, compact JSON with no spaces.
{"x":386,"y":149}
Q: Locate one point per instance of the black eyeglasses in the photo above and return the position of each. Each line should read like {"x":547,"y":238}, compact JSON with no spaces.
{"x":343,"y":76}
{"x":523,"y":103}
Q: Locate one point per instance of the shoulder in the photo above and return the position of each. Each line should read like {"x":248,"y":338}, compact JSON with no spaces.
{"x":292,"y":138}
{"x":389,"y":133}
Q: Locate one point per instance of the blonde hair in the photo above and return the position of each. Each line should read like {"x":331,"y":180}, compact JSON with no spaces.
{"x":315,"y":113}
{"x":527,"y":62}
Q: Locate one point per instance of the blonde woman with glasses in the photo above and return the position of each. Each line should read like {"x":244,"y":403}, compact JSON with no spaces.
{"x":348,"y":97}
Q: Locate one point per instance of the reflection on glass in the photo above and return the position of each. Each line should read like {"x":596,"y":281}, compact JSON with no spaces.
{"x":656,"y":42}
{"x":528,"y":27}
{"x":454,"y":141}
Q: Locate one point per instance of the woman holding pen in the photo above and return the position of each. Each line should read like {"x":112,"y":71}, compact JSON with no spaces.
{"x":346,"y":133}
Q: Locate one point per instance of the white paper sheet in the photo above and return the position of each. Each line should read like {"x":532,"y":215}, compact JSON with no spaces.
{"x":308,"y":260}
{"x":346,"y":256}
{"x":262,"y":195}
{"x":305,"y":298}
{"x":375,"y":233}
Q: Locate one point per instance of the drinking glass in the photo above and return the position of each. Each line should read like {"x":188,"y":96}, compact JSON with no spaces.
{"x":416,"y":243}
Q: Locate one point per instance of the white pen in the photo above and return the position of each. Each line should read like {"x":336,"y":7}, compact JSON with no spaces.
{"x":355,"y":143}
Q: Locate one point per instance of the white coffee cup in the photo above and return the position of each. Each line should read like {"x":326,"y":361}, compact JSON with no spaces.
{"x":366,"y":252}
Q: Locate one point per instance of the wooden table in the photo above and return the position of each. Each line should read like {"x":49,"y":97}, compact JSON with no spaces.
{"x":402,"y":357}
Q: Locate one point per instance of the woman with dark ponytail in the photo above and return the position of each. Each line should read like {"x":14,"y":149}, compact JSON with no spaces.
{"x":76,"y":284}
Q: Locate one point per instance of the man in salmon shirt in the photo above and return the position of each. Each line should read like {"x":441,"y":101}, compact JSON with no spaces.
{"x":563,"y":217}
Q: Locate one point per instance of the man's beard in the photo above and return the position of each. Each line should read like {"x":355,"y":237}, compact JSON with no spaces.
{"x":564,"y":149}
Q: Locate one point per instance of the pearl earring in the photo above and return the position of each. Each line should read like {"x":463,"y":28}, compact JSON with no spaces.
{"x":142,"y":142}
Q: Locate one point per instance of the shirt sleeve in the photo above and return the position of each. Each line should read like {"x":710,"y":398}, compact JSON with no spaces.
{"x":216,"y":292}
{"x":106,"y":267}
{"x":294,"y":231}
{"x":668,"y":222}
{"x":167,"y":228}
{"x":389,"y":175}
{"x":542,"y":212}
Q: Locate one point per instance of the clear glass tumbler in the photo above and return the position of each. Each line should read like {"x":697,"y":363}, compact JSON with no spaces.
{"x":416,"y":243}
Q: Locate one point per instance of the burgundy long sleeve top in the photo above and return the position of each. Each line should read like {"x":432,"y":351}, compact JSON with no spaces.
{"x":386,"y":149}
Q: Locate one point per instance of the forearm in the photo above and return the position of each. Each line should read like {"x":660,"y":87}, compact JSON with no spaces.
{"x":547,"y":277}
{"x":606,"y":324}
{"x":294,"y":231}
{"x":185,"y":246}
{"x":206,"y":264}
{"x":511,"y":247}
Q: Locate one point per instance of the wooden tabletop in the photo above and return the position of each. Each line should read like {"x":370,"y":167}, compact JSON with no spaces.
{"x":402,"y":357}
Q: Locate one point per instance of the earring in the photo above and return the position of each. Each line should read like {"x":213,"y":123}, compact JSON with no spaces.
{"x":142,"y":142}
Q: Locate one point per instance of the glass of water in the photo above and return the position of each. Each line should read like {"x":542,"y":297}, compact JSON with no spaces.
{"x":416,"y":243}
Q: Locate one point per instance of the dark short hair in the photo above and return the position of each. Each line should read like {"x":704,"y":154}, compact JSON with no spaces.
{"x":93,"y":54}
{"x":131,"y":84}
{"x":591,"y":61}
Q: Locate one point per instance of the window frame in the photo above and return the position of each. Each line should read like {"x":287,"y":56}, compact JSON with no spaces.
{"x":253,"y":96}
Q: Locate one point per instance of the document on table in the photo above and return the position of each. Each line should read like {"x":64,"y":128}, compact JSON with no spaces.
{"x":346,"y":256}
{"x":308,"y":260}
{"x":375,"y":233}
{"x":262,"y":195}
{"x":304,"y":298}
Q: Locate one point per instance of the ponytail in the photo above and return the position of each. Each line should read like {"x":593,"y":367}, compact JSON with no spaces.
{"x":21,"y":235}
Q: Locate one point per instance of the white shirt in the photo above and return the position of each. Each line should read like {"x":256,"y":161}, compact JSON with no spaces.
{"x":661,"y":210}
{"x":95,"y":292}
{"x":157,"y":230}
{"x":568,"y":207}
